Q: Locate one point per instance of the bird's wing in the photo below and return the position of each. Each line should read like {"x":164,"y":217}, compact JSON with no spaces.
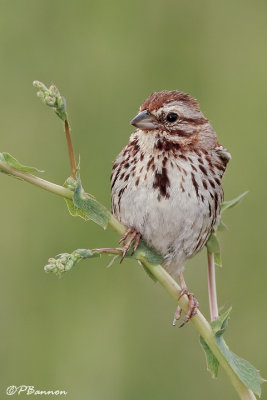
{"x":223,"y":154}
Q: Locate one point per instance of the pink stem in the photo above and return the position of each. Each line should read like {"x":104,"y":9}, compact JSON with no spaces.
{"x":212,"y":288}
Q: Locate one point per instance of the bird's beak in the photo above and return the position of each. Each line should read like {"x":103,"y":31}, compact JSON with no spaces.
{"x":144,"y":120}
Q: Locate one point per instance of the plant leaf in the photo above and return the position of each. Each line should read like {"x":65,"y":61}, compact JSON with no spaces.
{"x":213,"y":246}
{"x":151,"y":254}
{"x":12,"y":162}
{"x":220,"y":324}
{"x":245,"y":371}
{"x":232,"y":203}
{"x":212,"y":362}
{"x":221,"y":227}
{"x":75,"y":211}
{"x":88,"y":208}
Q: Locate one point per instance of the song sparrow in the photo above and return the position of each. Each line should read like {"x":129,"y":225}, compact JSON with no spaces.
{"x":166,"y":183}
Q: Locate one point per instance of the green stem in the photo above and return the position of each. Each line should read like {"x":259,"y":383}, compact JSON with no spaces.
{"x":36,"y":181}
{"x":201,"y":325}
{"x":171,"y":286}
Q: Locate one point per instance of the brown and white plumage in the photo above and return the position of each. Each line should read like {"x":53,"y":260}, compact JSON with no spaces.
{"x":166,"y":183}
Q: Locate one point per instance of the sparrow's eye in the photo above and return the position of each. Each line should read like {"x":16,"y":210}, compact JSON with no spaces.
{"x":172,"y":117}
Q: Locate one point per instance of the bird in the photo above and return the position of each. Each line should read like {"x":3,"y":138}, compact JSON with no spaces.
{"x":166,"y":183}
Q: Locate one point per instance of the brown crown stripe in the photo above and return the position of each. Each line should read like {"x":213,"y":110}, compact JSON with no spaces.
{"x":156,"y":100}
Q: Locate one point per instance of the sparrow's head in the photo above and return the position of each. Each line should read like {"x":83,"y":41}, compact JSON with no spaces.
{"x":175,"y":114}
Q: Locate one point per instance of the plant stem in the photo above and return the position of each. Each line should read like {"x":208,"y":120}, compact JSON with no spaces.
{"x":212,"y":288}
{"x":70,"y":149}
{"x":171,"y":286}
{"x":35,"y":180}
{"x":201,"y":325}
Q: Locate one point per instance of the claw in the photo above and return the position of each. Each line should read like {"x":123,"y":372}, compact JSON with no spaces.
{"x":126,"y":234}
{"x":134,"y":237}
{"x":177,"y":315}
{"x":136,"y":243}
{"x":192,"y":308}
{"x":192,"y":304}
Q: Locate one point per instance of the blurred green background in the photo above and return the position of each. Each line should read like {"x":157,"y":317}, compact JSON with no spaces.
{"x":106,"y":334}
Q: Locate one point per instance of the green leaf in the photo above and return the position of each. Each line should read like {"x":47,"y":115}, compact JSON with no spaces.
{"x":248,"y":374}
{"x":220,"y":324}
{"x":213,"y":246}
{"x":212,"y":362}
{"x":221,"y":227}
{"x":87,"y":207}
{"x":151,"y":254}
{"x":12,"y":162}
{"x":75,"y":211}
{"x":232,"y":203}
{"x":243,"y":369}
{"x":71,"y":184}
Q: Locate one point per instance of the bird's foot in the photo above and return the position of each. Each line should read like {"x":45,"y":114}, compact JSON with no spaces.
{"x":130,"y":237}
{"x":192,"y":305}
{"x":192,"y":308}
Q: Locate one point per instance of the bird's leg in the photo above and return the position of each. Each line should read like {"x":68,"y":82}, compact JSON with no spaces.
{"x":192,"y":305}
{"x":133,"y":237}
